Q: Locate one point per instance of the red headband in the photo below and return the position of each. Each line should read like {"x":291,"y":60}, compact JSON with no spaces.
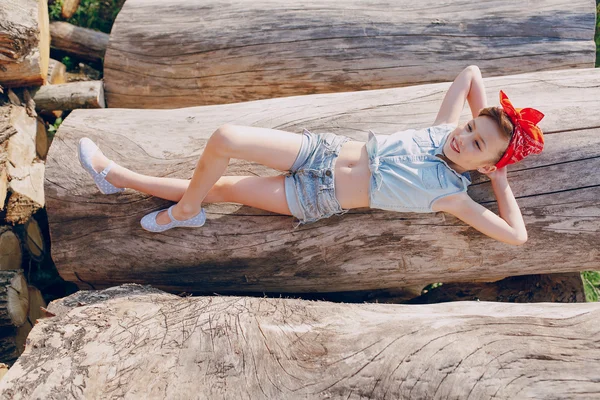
{"x":527,"y":137}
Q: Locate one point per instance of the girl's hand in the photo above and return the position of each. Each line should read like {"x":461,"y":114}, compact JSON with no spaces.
{"x":497,"y":174}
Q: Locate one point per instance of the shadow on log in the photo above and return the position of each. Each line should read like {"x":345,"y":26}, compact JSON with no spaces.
{"x":246,"y":249}
{"x":134,"y":341}
{"x":210,"y":52}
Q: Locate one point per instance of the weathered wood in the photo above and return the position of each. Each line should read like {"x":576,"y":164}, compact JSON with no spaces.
{"x":56,"y":75}
{"x":10,"y":249}
{"x":36,"y":303}
{"x":24,"y":42}
{"x":14,"y":299}
{"x":243,"y":248}
{"x":68,"y":96}
{"x":130,"y":342}
{"x":24,"y":170}
{"x":42,"y":142}
{"x":33,"y":240}
{"x":85,"y":43}
{"x":68,"y":8}
{"x":210,"y":52}
{"x":56,"y":72}
{"x":8,"y":347}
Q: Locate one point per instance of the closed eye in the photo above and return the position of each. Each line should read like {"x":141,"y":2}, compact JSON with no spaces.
{"x":476,"y":142}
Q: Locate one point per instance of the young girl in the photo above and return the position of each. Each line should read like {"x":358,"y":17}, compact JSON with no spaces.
{"x":416,"y":170}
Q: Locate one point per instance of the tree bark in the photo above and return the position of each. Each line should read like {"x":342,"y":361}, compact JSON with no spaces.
{"x":24,"y":42}
{"x":69,"y":96}
{"x":210,"y":52}
{"x":137,"y":342}
{"x":241,"y":248}
{"x":85,"y":43}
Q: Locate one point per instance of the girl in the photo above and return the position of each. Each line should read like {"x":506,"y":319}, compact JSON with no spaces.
{"x":423,"y":170}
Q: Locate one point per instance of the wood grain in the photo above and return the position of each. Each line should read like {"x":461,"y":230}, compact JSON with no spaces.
{"x":133,"y":342}
{"x":97,"y":240}
{"x":212,"y":52}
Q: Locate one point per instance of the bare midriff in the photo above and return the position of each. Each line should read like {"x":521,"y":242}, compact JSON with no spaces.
{"x":352,"y":175}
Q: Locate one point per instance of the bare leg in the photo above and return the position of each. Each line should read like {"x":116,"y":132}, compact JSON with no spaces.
{"x":270,"y":147}
{"x":267,"y":193}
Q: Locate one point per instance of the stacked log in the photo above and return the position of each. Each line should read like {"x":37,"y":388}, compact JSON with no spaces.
{"x":209,"y":52}
{"x":85,"y":43}
{"x":250,"y":250}
{"x":23,"y":171}
{"x":138,"y":342}
{"x":24,"y":43}
{"x":14,"y":310}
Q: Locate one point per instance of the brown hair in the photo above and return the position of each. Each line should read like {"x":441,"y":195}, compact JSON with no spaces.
{"x":503,"y":121}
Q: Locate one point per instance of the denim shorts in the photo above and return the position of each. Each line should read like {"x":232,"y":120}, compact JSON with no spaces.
{"x":309,"y":183}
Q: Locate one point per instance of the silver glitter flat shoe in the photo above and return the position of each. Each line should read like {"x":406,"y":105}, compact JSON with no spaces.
{"x":149,"y":223}
{"x":85,"y":151}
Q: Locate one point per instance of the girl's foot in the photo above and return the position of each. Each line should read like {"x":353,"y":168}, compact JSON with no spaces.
{"x":100,"y":161}
{"x":163,"y":218}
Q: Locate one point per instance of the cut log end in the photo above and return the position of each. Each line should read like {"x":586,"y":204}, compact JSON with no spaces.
{"x":14,"y":298}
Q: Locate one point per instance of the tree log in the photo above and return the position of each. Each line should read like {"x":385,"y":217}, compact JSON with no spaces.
{"x":210,"y":52}
{"x":68,"y":96}
{"x":24,"y":42}
{"x":14,"y":299}
{"x":24,"y":170}
{"x":137,"y":342}
{"x":9,"y":349}
{"x":68,"y":8}
{"x":56,"y":75}
{"x":243,"y":248}
{"x":85,"y":43}
{"x":10,"y":249}
{"x":56,"y":72}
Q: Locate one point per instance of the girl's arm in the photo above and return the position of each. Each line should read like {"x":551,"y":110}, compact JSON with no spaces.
{"x":467,"y":86}
{"x":508,"y":228}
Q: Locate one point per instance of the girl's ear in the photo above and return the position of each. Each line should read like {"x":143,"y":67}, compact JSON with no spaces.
{"x":486,"y":169}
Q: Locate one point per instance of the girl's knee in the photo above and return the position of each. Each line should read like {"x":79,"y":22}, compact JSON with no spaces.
{"x":222,"y":139}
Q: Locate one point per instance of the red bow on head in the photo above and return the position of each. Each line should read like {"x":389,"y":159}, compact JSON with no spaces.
{"x":527,"y":137}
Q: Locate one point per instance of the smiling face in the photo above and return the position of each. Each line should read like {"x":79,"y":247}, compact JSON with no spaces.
{"x":478,"y":144}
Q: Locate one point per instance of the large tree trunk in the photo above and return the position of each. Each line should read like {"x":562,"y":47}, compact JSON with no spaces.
{"x":212,"y":52}
{"x":136,"y":342}
{"x":243,"y":248}
{"x":24,"y":42}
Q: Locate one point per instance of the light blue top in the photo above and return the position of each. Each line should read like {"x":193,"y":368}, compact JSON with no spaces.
{"x":406,"y":174}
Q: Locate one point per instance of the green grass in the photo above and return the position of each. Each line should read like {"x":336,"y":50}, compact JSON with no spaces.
{"x":93,"y":14}
{"x":591,"y":285}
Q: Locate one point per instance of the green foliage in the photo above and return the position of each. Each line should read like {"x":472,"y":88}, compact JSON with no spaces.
{"x":93,"y":14}
{"x":68,"y":63}
{"x":591,"y":285}
{"x":54,"y":10}
{"x":431,"y":286}
{"x":53,"y":128}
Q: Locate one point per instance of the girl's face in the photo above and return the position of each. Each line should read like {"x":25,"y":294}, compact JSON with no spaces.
{"x":475,"y":145}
